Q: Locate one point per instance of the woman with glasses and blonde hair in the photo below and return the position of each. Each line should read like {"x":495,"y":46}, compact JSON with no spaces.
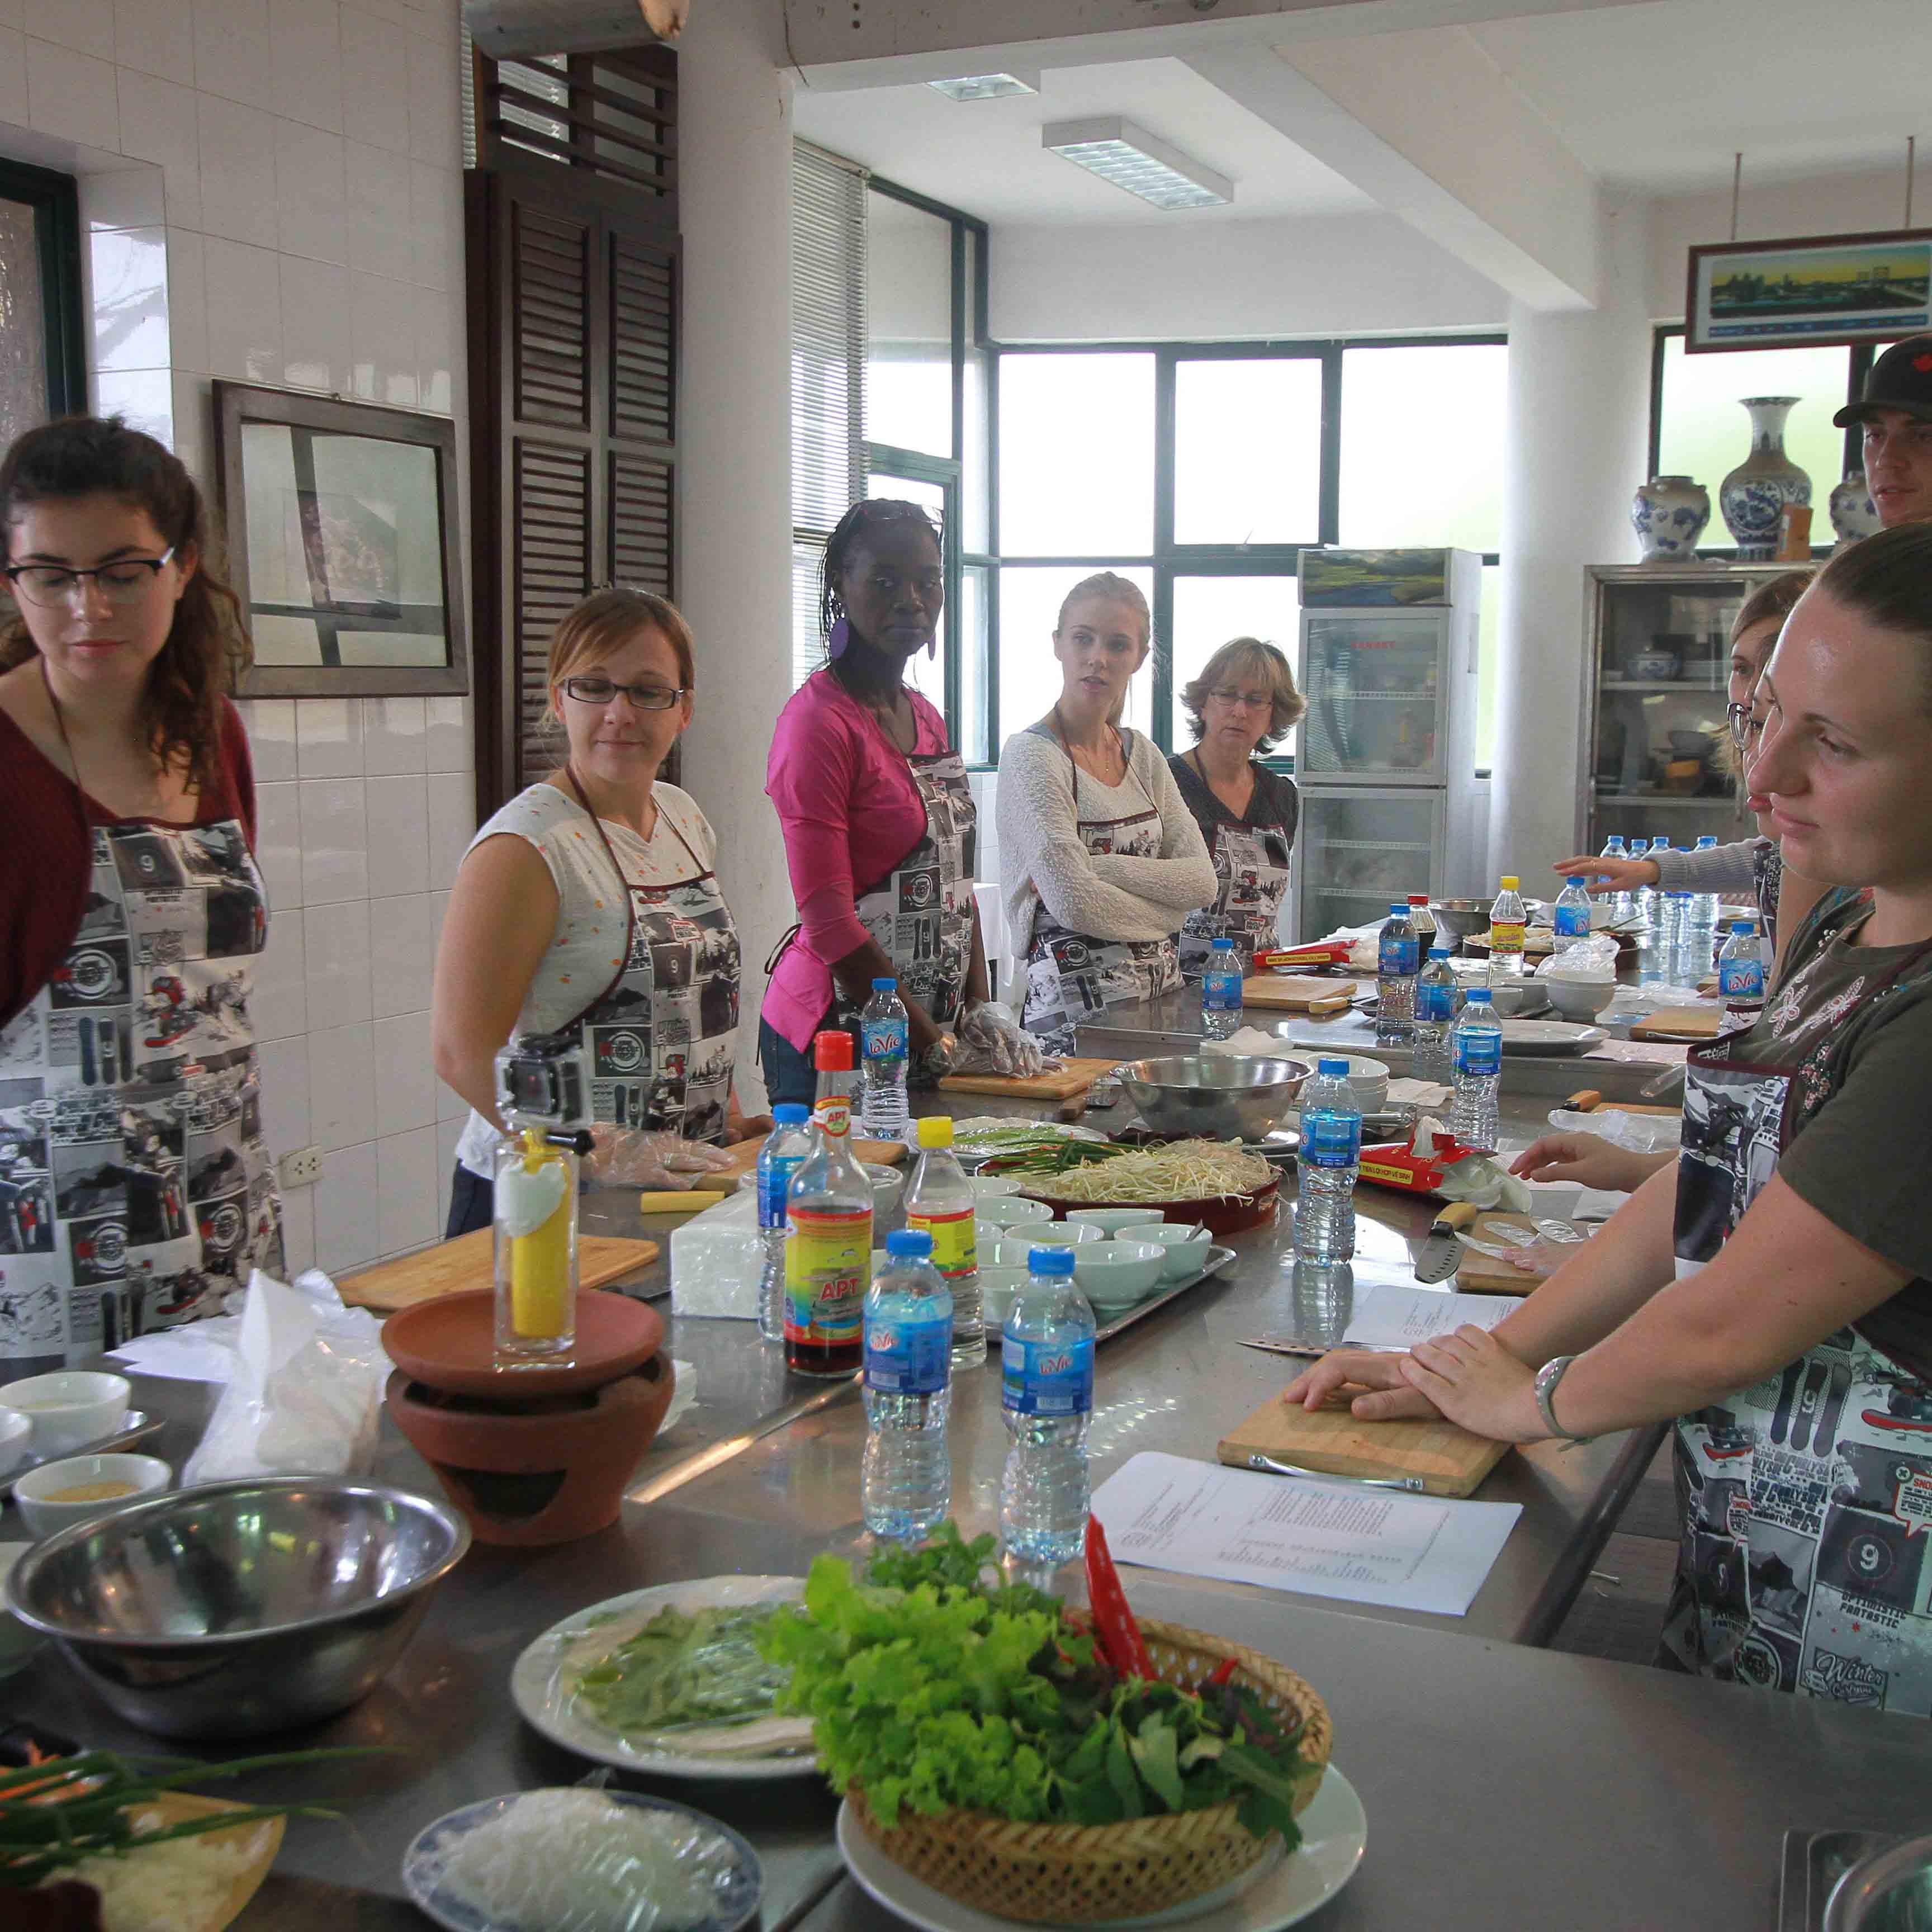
{"x":135,"y":1189}
{"x":1241,"y":704}
{"x":1100,"y":859}
{"x":588,"y":907}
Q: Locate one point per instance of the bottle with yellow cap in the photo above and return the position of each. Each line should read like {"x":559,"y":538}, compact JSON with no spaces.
{"x":939,"y":1202}
{"x":1506,"y":925}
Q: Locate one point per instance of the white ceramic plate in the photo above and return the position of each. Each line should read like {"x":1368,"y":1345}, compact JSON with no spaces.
{"x":737,"y":1897}
{"x":539,"y":1684}
{"x":1281,"y":1892}
{"x":1548,"y":1037}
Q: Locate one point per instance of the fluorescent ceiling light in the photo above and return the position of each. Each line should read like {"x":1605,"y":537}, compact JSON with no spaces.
{"x":985,"y":86}
{"x":1130,"y":158}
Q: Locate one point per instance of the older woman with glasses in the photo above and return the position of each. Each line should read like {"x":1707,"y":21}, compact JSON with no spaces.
{"x":1242,"y":703}
{"x":588,"y":908}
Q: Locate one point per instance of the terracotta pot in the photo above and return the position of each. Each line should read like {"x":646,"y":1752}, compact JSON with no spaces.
{"x":541,"y":1471}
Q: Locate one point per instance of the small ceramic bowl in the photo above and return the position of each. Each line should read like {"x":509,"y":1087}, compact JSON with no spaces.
{"x":997,"y":1287}
{"x":1013,"y":1252}
{"x":51,"y":1497}
{"x":16,"y":1430}
{"x":1187,"y":1242}
{"x":1008,"y":1209}
{"x":1579,"y":999}
{"x":69,"y":1408}
{"x":1116,"y":1274}
{"x":1368,"y":1080}
{"x":1113,"y":1220}
{"x":987,"y":1186}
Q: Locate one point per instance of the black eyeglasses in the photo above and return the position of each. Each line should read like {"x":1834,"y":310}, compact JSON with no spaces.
{"x":601,"y":690}
{"x":126,"y":580}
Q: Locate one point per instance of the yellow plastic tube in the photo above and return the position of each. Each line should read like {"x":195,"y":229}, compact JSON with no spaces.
{"x":540,"y":1262}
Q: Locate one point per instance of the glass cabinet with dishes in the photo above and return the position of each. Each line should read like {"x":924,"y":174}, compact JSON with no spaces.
{"x":1655,"y":737}
{"x":1358,"y":850}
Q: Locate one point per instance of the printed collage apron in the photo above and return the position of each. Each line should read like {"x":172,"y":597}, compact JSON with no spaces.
{"x":1251,"y":863}
{"x":661,"y":1039}
{"x":1071,"y":977}
{"x":1805,"y":1500}
{"x":921,"y":913}
{"x":135,"y":1189}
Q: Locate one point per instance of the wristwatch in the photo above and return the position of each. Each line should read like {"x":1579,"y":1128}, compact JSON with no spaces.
{"x":1547,"y":1377}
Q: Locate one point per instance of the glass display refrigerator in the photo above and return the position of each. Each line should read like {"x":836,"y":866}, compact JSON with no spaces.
{"x":1389,"y":677}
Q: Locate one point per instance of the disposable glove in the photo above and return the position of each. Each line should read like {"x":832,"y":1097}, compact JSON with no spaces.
{"x":631,"y":1157}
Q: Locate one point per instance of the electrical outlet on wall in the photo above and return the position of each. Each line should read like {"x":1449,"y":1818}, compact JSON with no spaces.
{"x":302,"y":1169}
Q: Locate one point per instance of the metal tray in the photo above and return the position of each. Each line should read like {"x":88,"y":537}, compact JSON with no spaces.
{"x":1813,"y":1862}
{"x":137,"y":1427}
{"x":1218,"y":1259}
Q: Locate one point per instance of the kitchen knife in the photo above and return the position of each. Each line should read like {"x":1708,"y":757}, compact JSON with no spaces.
{"x":1268,"y":1466}
{"x":1441,"y":1253}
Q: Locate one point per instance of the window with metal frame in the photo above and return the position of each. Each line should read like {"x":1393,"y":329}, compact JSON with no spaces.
{"x":42,"y":373}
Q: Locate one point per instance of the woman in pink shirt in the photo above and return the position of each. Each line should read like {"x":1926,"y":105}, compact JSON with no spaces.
{"x":878,"y":824}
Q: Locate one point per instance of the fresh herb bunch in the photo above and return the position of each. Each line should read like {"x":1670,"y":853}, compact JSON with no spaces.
{"x":682,"y":1670}
{"x":930,"y":1687}
{"x":1050,"y":1155}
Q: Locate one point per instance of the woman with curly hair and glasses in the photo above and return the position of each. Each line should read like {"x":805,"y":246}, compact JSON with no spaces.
{"x":588,"y":907}
{"x":1241,"y":704}
{"x":135,"y":1190}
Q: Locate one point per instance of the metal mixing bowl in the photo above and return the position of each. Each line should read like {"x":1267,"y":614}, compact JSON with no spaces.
{"x":237,"y":1608}
{"x":1217,"y":1095}
{"x":1461,"y":918}
{"x":1888,"y":1891}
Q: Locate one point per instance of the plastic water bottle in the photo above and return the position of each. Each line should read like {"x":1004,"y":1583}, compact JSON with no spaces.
{"x":1046,"y":1395}
{"x":1476,"y":1048}
{"x":884,"y":1034}
{"x":1613,"y":848}
{"x":1741,"y":977}
{"x":1221,"y":992}
{"x":1327,"y":1166}
{"x":1399,"y":958}
{"x":1435,"y":1014}
{"x":1571,"y":916}
{"x":779,"y":1160}
{"x":1506,"y":924}
{"x":1701,"y":938}
{"x":905,"y":1482}
{"x":938,"y":1202}
{"x":1643,"y":901}
{"x":828,"y":1237}
{"x":1673,"y":917}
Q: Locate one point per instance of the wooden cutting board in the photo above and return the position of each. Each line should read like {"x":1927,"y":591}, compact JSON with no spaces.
{"x":1075,"y":1075}
{"x":1299,"y":993}
{"x":745,"y":1157}
{"x":469,"y":1261}
{"x":1589,"y":1101}
{"x":1484,"y":1274}
{"x":1451,"y":1461}
{"x":1680,"y":1023}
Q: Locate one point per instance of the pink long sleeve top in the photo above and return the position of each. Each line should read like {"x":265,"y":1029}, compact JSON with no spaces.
{"x":849,"y":812}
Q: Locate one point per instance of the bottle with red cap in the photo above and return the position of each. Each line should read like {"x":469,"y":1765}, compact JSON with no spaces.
{"x":829,"y":1211}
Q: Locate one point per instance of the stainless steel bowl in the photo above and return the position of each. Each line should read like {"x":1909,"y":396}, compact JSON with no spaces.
{"x":1217,"y":1095}
{"x":237,"y":1608}
{"x":1461,"y":918}
{"x":1889,"y":1891}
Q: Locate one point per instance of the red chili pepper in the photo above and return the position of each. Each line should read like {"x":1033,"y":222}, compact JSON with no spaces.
{"x":1221,"y":1673}
{"x":1113,"y":1626}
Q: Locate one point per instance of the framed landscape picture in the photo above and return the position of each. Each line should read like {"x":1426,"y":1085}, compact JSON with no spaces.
{"x":342,"y":545}
{"x":1786,"y":295}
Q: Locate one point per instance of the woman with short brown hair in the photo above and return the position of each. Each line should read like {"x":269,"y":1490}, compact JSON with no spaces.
{"x":588,"y":907}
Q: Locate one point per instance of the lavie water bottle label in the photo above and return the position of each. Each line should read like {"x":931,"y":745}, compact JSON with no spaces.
{"x":774,"y":1178}
{"x":1434,"y":1004}
{"x":827,"y":1269}
{"x":1572,"y":922}
{"x":884,"y":1041}
{"x":954,"y":1241}
{"x":1398,"y":955}
{"x":1221,"y":991}
{"x":1479,"y":1054}
{"x":1741,"y":982}
{"x":1046,"y":1377}
{"x":1330,"y":1140}
{"x":907,"y":1357}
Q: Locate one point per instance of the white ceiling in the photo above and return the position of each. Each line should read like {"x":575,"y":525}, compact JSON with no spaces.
{"x":985,"y":156}
{"x":1653,"y":97}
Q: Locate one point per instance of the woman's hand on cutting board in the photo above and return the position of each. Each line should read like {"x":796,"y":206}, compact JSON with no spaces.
{"x":1471,"y":1378}
{"x":1588,"y":1160}
{"x":1385,"y":1395}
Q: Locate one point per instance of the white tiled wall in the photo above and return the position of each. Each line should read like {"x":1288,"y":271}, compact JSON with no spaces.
{"x":290,"y":213}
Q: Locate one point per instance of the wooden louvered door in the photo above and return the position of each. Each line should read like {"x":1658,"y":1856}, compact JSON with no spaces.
{"x":574,"y":341}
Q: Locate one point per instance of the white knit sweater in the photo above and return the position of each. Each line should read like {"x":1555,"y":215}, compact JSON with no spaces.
{"x":1107,"y":896}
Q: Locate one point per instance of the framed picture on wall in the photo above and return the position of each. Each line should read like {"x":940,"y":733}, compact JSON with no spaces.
{"x":342,"y":545}
{"x":1826,"y":289}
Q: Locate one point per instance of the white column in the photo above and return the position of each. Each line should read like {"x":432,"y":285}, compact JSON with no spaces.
{"x":1575,"y":441}
{"x":734,"y":453}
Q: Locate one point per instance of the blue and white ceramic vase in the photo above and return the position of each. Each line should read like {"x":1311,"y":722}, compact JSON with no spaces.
{"x":1752,"y":495}
{"x":1669,"y":514}
{"x":1854,"y":514}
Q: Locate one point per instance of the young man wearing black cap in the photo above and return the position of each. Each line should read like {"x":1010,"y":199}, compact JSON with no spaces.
{"x":1896,"y":415}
